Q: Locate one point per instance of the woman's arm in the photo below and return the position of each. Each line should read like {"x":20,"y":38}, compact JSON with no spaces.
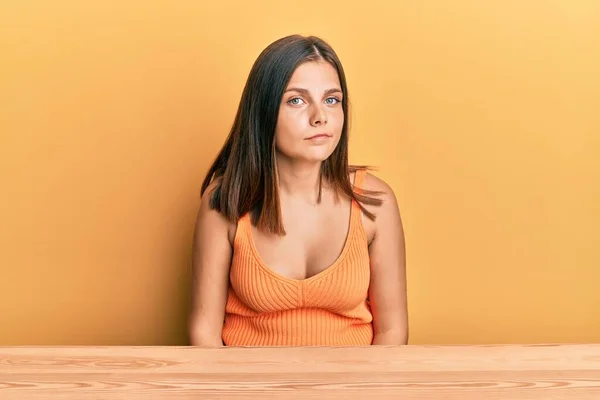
{"x":387,"y":292}
{"x":211,"y":259}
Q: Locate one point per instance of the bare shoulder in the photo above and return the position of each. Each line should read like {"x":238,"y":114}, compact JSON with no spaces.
{"x":387,"y":214}
{"x":209,"y":219}
{"x":373,"y":182}
{"x":389,"y":207}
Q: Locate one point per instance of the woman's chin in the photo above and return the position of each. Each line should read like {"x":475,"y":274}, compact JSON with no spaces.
{"x":312,"y":156}
{"x":316,"y":158}
{"x":318,"y":155}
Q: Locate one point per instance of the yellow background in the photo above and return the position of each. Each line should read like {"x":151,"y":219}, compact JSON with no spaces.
{"x":482,"y":115}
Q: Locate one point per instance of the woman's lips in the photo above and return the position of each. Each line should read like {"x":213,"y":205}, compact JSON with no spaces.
{"x":319,"y":136}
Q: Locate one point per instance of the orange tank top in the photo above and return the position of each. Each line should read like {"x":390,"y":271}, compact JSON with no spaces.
{"x":328,"y":309}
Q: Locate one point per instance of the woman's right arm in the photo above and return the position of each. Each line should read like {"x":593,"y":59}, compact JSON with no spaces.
{"x":211,"y":258}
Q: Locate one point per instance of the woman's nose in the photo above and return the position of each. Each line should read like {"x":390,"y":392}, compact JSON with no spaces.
{"x":319,"y":116}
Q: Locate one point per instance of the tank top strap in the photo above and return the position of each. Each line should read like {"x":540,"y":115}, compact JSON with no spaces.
{"x":356,"y":218}
{"x":359,"y":178}
{"x":243,"y":231}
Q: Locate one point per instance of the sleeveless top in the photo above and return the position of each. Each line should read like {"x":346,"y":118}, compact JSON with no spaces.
{"x":330,"y":308}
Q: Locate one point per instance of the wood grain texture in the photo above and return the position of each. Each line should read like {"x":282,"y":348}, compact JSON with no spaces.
{"x":409,"y":372}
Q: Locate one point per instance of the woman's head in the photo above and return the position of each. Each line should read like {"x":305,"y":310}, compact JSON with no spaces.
{"x":296,"y":89}
{"x":311,"y":115}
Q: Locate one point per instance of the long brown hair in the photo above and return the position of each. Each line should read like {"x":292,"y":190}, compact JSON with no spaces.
{"x":245,"y":169}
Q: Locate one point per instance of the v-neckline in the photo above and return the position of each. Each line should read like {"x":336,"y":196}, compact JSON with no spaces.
{"x":247,"y":226}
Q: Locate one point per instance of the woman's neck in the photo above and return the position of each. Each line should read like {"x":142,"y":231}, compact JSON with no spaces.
{"x":299,"y":180}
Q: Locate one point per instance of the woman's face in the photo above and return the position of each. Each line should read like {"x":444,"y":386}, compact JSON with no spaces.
{"x":311,"y":116}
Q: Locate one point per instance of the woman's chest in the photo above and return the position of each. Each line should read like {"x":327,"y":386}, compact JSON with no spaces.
{"x":343,"y":285}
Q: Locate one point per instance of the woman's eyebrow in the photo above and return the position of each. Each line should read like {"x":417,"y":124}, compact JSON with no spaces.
{"x":305,"y":92}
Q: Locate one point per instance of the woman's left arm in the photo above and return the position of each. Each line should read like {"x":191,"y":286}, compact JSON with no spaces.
{"x":387,"y":291}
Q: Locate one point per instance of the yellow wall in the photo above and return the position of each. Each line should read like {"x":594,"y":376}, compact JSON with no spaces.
{"x":483,"y":116}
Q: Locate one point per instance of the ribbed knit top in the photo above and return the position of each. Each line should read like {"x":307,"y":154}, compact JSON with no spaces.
{"x":330,"y":308}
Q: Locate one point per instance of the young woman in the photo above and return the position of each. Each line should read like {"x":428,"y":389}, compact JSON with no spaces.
{"x":292,"y":246}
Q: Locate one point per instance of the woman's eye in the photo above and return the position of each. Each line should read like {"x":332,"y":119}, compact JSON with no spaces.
{"x":332,"y":100}
{"x":296,"y":101}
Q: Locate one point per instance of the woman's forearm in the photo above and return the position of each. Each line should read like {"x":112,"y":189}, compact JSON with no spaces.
{"x":391,"y":338}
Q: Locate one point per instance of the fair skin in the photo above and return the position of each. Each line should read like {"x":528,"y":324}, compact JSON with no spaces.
{"x":311,"y":105}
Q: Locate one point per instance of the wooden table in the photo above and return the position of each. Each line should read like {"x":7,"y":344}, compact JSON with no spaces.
{"x":538,"y":372}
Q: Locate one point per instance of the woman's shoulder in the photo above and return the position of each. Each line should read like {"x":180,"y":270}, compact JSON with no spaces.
{"x":211,"y":217}
{"x":380,"y":189}
{"x":371,"y":182}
